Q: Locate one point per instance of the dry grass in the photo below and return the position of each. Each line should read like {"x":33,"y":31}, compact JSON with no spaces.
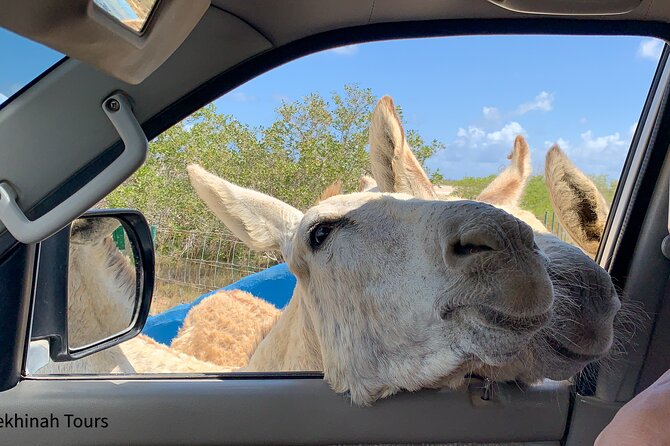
{"x":170,"y":292}
{"x":168,"y":295}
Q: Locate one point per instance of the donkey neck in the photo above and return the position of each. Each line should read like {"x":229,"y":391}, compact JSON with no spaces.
{"x":101,"y":291}
{"x":291,"y":344}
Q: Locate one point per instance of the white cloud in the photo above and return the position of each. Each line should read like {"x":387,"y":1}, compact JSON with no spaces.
{"x":348,"y":50}
{"x":560,"y":142}
{"x":598,"y":154}
{"x":600,"y":144}
{"x":470,"y":137}
{"x":543,"y":102}
{"x":650,"y":49}
{"x":491,"y":113}
{"x":239,"y":96}
{"x":506,"y":134}
{"x":563,"y":144}
{"x":476,"y":152}
{"x":474,"y":136}
{"x":3,"y":98}
{"x":480,"y":150}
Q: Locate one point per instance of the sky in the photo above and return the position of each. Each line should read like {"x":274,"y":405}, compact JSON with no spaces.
{"x":473,"y":94}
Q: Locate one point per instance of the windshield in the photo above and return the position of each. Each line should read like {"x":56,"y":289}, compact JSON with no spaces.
{"x":22,"y":60}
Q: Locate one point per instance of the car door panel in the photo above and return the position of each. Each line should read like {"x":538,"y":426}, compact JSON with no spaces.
{"x":285,"y":411}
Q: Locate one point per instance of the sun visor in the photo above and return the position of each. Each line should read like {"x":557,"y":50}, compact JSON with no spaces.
{"x":127,"y":39}
{"x":569,"y":7}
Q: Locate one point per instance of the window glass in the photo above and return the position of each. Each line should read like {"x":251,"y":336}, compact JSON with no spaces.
{"x":475,"y":111}
{"x":22,"y":61}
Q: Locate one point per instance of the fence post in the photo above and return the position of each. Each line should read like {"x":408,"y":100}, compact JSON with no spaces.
{"x":119,"y":238}
{"x":546,"y":214}
{"x":153,"y":234}
{"x":553,"y":217}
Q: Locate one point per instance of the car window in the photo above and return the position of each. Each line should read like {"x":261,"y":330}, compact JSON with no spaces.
{"x":22,"y":60}
{"x":538,"y":126}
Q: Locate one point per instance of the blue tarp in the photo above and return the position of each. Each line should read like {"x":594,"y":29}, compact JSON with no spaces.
{"x":274,"y":285}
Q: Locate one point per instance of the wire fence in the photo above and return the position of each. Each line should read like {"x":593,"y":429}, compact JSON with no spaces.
{"x":191,"y":263}
{"x":552,"y":224}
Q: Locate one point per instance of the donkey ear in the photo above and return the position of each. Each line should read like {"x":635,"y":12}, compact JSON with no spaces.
{"x":580,"y":207}
{"x":394,"y":166}
{"x":263,"y":223}
{"x":367,"y":184}
{"x":331,"y":191}
{"x":92,"y":230}
{"x":508,"y":187}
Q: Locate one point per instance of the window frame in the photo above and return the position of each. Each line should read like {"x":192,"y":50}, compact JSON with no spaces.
{"x":234,"y":77}
{"x":617,"y":218}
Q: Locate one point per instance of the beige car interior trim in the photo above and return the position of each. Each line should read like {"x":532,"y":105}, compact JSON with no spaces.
{"x":81,"y":30}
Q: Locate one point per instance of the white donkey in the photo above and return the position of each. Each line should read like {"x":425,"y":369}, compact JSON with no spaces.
{"x":395,"y":292}
{"x":582,"y":320}
{"x":206,"y":333}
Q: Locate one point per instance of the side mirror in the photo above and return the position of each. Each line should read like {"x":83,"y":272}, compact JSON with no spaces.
{"x":94,"y":284}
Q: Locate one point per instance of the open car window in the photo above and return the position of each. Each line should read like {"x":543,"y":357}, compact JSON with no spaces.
{"x":527,"y":123}
{"x":23,"y":61}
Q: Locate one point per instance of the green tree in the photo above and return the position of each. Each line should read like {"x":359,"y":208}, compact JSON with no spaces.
{"x":313,"y":142}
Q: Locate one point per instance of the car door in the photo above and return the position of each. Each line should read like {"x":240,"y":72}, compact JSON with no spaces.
{"x":299,"y":407}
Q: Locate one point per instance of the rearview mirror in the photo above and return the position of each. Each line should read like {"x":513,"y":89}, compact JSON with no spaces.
{"x":131,"y":14}
{"x":95,"y":282}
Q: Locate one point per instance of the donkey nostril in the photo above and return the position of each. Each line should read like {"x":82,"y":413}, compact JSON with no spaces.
{"x":474,"y":242}
{"x":469,"y":248}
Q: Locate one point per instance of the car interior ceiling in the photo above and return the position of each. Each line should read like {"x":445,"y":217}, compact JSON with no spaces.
{"x":255,"y":36}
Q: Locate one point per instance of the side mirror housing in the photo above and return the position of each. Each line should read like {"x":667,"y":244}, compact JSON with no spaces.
{"x":95,"y":281}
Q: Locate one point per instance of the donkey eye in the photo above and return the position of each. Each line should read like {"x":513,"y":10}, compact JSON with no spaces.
{"x":319,"y":234}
